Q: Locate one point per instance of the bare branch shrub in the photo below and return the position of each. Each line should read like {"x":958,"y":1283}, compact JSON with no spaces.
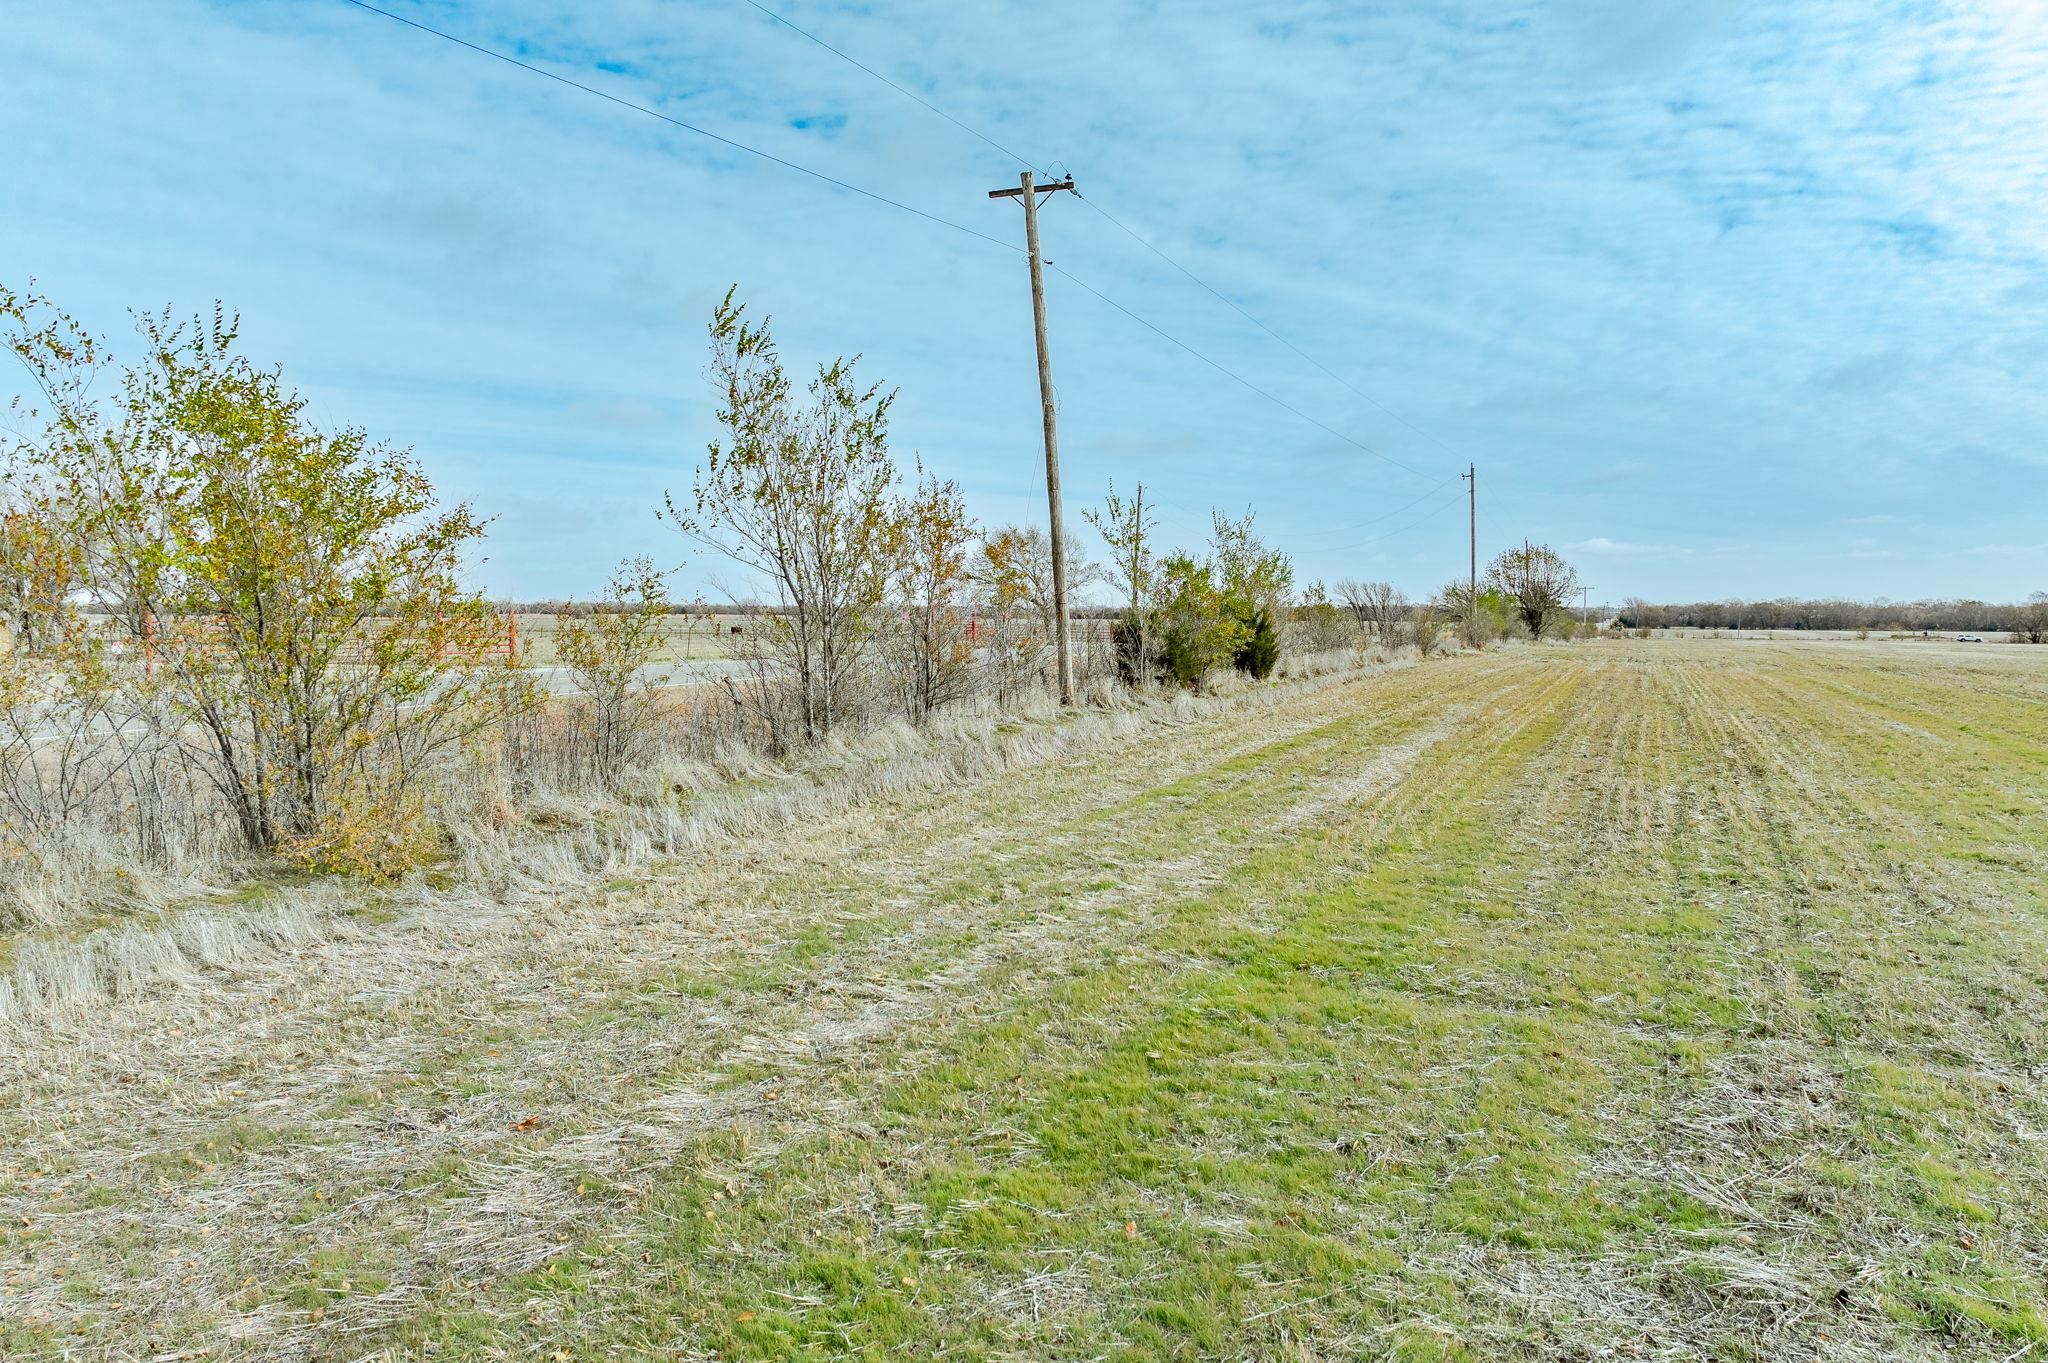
{"x":2030,"y":621}
{"x":1380,"y":608}
{"x":607,"y":653}
{"x":798,"y":494}
{"x":1427,"y":627}
{"x":935,"y":656}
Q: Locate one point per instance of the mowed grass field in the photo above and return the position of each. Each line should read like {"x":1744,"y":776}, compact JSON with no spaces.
{"x":1678,"y":999}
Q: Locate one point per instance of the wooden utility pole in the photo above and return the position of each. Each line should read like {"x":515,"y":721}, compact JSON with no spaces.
{"x":1028,"y":192}
{"x":1471,"y":477}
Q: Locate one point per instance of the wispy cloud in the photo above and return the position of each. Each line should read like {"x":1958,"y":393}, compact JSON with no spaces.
{"x":1600,"y":544}
{"x":1731,"y":269}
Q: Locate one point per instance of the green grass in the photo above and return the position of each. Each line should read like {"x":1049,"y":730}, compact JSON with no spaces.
{"x":1640,"y":1000}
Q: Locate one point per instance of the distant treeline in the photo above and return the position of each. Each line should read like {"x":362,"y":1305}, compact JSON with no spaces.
{"x":709,"y":609}
{"x":2028,"y":617}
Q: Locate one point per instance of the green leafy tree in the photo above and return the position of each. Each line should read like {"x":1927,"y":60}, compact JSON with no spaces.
{"x":1196,"y":631}
{"x":1259,"y":654}
{"x":1479,"y":620}
{"x":1246,"y":567}
{"x":299,"y":589}
{"x":1253,"y":580}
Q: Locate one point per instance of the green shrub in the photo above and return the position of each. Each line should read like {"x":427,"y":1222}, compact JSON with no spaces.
{"x":1259,"y":652}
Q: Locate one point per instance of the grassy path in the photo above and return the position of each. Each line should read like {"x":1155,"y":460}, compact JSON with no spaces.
{"x":1636,"y":1001}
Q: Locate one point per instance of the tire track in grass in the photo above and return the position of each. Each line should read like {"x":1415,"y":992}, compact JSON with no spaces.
{"x":351,"y":1035}
{"x":247,"y":1169}
{"x":1095,"y":1002}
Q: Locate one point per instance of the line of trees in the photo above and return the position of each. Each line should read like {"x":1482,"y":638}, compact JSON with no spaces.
{"x":2027,"y":620}
{"x":875,"y":590}
{"x":223,"y":623}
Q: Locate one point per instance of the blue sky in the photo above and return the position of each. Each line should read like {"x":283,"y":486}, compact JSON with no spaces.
{"x":1725,"y":298}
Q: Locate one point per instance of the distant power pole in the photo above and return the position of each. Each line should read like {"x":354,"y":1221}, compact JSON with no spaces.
{"x":1028,"y":193}
{"x":1471,"y":477}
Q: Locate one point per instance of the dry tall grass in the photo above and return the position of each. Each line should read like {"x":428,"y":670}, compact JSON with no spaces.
{"x":131,"y":892}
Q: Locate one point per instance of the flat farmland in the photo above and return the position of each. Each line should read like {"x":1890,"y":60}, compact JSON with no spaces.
{"x":1641,"y":999}
{"x":689,"y":638}
{"x":684,"y":638}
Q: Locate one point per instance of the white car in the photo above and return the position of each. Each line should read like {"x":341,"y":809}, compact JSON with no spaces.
{"x":1969,"y":638}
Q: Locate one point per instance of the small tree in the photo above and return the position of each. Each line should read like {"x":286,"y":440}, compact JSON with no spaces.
{"x":2030,"y":622}
{"x":1320,"y":624}
{"x":1259,"y":653}
{"x":1017,"y":561}
{"x":1641,"y":617}
{"x":1380,"y":608}
{"x":1479,"y":620}
{"x":1013,"y":566}
{"x":1197,"y":632}
{"x":299,"y":590}
{"x":1127,"y":528}
{"x":798,"y":494}
{"x":1428,"y":627}
{"x":1246,"y":567}
{"x":1537,"y":580}
{"x":1254,"y":580}
{"x":607,"y":652}
{"x":42,"y":555}
{"x":934,"y":531}
{"x":39,"y":567}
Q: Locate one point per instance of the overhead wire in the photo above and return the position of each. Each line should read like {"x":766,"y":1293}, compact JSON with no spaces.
{"x":838,"y":183}
{"x":1234,"y":306}
{"x":1402,"y":528}
{"x":905,"y":91}
{"x":1434,"y":494}
{"x":673,"y":121}
{"x":1232,"y":374}
{"x":1117,"y":223}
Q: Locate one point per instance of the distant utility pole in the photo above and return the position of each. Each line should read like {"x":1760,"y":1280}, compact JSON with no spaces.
{"x":1028,"y":193}
{"x":1585,"y":604}
{"x":1471,"y":477}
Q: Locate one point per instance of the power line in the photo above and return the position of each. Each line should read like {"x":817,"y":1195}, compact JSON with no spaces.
{"x":1232,"y":304}
{"x":1113,"y":221}
{"x":1434,"y":494}
{"x":679,"y":123}
{"x":1404,"y":527}
{"x":901,"y":90}
{"x":1233,"y":375}
{"x":881,"y":199}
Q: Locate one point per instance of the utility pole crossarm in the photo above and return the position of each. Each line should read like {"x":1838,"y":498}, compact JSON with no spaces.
{"x":1019,"y":192}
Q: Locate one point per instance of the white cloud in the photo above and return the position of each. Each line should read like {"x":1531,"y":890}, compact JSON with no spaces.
{"x":1600,"y":544}
{"x":1722,"y":273}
